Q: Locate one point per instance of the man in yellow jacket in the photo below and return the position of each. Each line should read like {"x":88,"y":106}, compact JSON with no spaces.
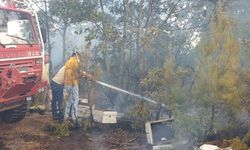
{"x":72,"y":74}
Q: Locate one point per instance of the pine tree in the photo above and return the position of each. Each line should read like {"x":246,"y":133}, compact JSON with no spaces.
{"x":218,"y":72}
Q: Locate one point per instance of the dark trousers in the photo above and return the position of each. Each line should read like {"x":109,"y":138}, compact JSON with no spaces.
{"x":57,"y":99}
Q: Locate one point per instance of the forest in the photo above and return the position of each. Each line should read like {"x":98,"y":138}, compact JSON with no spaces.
{"x":191,"y":55}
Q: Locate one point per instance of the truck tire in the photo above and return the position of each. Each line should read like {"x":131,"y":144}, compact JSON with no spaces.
{"x":16,"y":114}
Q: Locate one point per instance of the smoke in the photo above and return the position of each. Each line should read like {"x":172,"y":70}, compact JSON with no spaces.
{"x":243,"y":118}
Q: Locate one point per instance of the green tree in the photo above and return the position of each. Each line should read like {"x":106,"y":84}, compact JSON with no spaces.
{"x":165,"y":85}
{"x":68,"y":12}
{"x":136,"y":36}
{"x":218,"y":79}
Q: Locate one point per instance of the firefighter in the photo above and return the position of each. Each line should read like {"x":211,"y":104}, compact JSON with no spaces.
{"x":57,"y":85}
{"x":72,"y":73}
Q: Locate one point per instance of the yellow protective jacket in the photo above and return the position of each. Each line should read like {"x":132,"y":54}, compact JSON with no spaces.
{"x":71,"y":72}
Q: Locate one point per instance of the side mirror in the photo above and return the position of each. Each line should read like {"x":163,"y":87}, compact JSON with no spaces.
{"x":43,"y":31}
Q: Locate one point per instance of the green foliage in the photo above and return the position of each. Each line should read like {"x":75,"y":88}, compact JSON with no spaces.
{"x":135,"y":36}
{"x":71,"y":11}
{"x":139,"y":115}
{"x":164,"y":84}
{"x":133,"y":40}
{"x":218,"y":68}
{"x":68,"y":12}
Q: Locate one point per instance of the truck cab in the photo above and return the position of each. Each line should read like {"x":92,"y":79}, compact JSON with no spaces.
{"x":21,"y":62}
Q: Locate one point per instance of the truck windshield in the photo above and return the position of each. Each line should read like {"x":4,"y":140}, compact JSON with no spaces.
{"x":15,"y":28}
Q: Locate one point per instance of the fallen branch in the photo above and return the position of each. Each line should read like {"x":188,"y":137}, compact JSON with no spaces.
{"x":132,"y":140}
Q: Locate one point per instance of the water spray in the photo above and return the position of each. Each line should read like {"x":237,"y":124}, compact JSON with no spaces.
{"x":130,"y":93}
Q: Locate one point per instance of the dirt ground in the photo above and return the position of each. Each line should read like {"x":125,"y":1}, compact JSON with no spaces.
{"x":30,"y":134}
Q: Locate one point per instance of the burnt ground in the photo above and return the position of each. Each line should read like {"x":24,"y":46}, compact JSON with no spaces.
{"x":30,"y":134}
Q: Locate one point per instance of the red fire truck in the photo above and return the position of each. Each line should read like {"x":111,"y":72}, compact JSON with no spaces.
{"x":21,"y":61}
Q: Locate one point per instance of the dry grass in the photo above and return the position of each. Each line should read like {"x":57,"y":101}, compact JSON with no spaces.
{"x":59,"y":130}
{"x":238,"y":144}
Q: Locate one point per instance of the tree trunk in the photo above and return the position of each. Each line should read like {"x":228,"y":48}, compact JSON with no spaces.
{"x":104,"y":26}
{"x":64,"y":42}
{"x":143,"y":61}
{"x":48,"y":37}
{"x":122,"y":50}
{"x":211,"y":124}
